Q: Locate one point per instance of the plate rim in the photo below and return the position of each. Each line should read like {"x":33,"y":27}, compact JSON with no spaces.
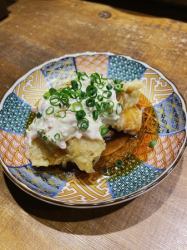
{"x":119,"y":200}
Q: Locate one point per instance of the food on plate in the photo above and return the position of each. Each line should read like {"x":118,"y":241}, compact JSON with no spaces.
{"x":73,"y":119}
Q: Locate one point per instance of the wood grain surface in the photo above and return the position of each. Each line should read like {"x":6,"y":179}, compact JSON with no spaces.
{"x":39,"y":30}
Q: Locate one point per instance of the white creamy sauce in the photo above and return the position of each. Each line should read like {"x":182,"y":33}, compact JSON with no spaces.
{"x":66,"y":128}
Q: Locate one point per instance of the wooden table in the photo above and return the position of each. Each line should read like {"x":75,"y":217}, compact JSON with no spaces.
{"x":38,"y":30}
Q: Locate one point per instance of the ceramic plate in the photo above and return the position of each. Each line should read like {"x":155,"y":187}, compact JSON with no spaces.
{"x":73,"y":188}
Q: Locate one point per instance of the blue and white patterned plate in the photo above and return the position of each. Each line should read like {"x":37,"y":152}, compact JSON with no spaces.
{"x":119,"y":183}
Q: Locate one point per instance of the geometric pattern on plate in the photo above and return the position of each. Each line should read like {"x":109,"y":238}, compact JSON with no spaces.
{"x":12,"y":149}
{"x":85,"y":188}
{"x":124,"y":69}
{"x":32,"y":88}
{"x":170,"y":114}
{"x":14,"y":114}
{"x":155,"y":88}
{"x":141,"y":176}
{"x":166,"y":150}
{"x":60,"y":71}
{"x":91,"y":64}
{"x":39,"y":180}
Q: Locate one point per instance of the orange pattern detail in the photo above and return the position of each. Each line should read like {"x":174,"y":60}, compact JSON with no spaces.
{"x":166,"y":150}
{"x":85,"y":189}
{"x":91,"y":64}
{"x":12,"y":149}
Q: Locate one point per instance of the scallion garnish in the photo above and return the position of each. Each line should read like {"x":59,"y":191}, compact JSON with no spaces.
{"x":103,"y":130}
{"x":74,"y":84}
{"x":49,"y":110}
{"x":60,"y":114}
{"x":46,"y":95}
{"x":81,"y":75}
{"x":109,"y":86}
{"x":152,"y":144}
{"x":57,"y":136}
{"x":54,"y":100}
{"x":72,"y":94}
{"x":95,"y":115}
{"x":90,"y":102}
{"x":107,"y":94}
{"x":98,"y":106}
{"x":76,"y":106}
{"x":118,"y":87}
{"x":80,"y":115}
{"x":91,"y":91}
{"x":83,"y":124}
{"x":100,"y":98}
{"x":64,"y":98}
{"x":52,"y":91}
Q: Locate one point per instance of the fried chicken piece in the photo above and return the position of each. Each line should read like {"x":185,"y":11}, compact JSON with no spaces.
{"x":130,"y":120}
{"x":85,"y":152}
{"x":44,"y":154}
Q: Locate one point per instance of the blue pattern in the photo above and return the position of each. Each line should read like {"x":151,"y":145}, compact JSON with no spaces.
{"x":60,"y":70}
{"x":170,"y":115}
{"x":14,"y":114}
{"x":124,"y":69}
{"x":126,"y":184}
{"x":41,"y":181}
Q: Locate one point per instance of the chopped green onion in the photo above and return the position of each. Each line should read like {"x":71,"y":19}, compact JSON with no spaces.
{"x":118,"y":87}
{"x":82,"y":95}
{"x":95,"y":78}
{"x":100,"y":98}
{"x":98,"y":106}
{"x":95,"y":115}
{"x":47,"y":95}
{"x":57,"y":137}
{"x":91,"y":91}
{"x":64,"y":99}
{"x":107,"y":94}
{"x":152,"y":144}
{"x":103,"y":130}
{"x":80,"y":115}
{"x":60,"y":114}
{"x":72,"y":94}
{"x":117,"y":81}
{"x":118,"y":108}
{"x":90,"y":102}
{"x":83,"y":124}
{"x":107,"y":107}
{"x":54,"y":100}
{"x":52,"y":91}
{"x":49,"y":110}
{"x":80,"y":75}
{"x":38,"y":115}
{"x":74,"y":84}
{"x":76,"y":106}
{"x":109,"y":86}
{"x":65,"y":90}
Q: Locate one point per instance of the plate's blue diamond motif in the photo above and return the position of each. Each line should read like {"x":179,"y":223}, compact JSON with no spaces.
{"x":170,"y":115}
{"x":41,"y":181}
{"x":60,"y":71}
{"x":124,"y":69}
{"x":126,"y":184}
{"x":14,"y":114}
